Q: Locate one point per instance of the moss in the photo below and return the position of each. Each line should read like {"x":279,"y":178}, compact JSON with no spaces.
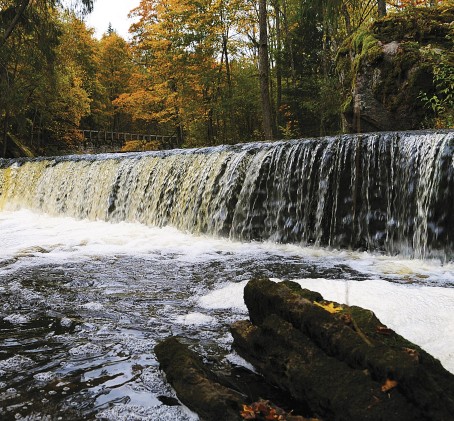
{"x":407,"y":72}
{"x":303,"y":292}
{"x":366,"y":48}
{"x":422,"y":24}
{"x":347,"y":105}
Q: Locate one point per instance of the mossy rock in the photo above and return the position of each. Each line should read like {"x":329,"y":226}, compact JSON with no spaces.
{"x":295,"y":342}
{"x":423,"y":25}
{"x":388,"y":67}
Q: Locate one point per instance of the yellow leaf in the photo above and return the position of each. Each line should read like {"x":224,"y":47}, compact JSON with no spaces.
{"x":329,"y":307}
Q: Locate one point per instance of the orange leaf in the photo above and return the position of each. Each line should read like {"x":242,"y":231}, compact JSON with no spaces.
{"x":388,"y":385}
{"x":248,"y":413}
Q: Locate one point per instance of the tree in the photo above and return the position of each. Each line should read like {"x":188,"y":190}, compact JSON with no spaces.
{"x":115,"y":68}
{"x":26,"y":63}
{"x":20,"y":7}
{"x":264,"y":67}
{"x":177,"y":87}
{"x":381,"y":6}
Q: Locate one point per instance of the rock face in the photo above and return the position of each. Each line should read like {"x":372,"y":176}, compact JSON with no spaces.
{"x":345,"y":365}
{"x":385,"y":71}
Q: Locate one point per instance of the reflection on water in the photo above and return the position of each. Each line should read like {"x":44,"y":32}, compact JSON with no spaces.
{"x":82,"y":305}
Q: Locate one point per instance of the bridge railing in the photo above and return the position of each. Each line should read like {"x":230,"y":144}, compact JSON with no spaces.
{"x":119,"y":139}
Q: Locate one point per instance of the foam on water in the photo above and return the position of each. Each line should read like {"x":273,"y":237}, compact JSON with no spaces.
{"x":44,"y":377}
{"x":16,"y":363}
{"x":57,"y":240}
{"x":229,"y":296}
{"x":16,"y":319}
{"x":95,"y":298}
{"x":197,"y":319}
{"x":85,"y":350}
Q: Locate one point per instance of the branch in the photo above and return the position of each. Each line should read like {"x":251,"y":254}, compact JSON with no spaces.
{"x":14,"y":22}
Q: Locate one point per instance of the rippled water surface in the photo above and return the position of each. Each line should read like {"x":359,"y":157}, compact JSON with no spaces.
{"x":82,"y":305}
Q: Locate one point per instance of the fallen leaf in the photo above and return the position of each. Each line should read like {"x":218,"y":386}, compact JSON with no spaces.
{"x":347,"y":319}
{"x":413,"y":353}
{"x":329,"y":307}
{"x":248,"y":413}
{"x":388,"y":385}
{"x":383,"y":330}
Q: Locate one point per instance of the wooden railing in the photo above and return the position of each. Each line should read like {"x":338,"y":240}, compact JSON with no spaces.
{"x":97,"y":138}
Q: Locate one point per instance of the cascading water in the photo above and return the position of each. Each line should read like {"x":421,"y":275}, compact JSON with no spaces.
{"x":392,"y":192}
{"x":99,"y":261}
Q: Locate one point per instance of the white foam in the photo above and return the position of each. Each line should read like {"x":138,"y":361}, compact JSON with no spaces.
{"x":229,"y":296}
{"x":44,"y":377}
{"x":16,"y":319}
{"x":93,"y":306}
{"x":30,"y":238}
{"x":85,"y":350}
{"x":196,"y":319}
{"x":16,"y":363}
{"x":139,"y":413}
{"x":64,"y":239}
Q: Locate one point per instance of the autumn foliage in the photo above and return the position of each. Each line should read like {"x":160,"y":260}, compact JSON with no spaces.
{"x":266,"y":411}
{"x":190,"y":69}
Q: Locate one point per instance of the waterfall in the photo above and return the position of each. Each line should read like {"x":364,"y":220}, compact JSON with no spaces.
{"x":391,"y":192}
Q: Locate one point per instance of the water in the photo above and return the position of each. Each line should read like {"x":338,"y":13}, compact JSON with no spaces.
{"x":82,"y":304}
{"x":392,"y":192}
{"x":103,"y":256}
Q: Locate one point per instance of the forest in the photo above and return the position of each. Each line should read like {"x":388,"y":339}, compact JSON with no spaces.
{"x":207,"y":72}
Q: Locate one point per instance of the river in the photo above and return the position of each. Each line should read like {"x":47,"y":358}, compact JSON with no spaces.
{"x":82,"y":304}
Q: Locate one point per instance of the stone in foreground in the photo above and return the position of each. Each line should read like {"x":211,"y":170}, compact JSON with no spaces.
{"x":341,"y":361}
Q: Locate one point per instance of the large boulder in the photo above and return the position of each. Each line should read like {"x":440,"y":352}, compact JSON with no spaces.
{"x":341,"y":361}
{"x":391,"y":70}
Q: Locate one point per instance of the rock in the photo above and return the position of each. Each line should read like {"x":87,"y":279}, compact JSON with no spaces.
{"x":318,"y":359}
{"x":345,"y":365}
{"x":384,"y":70}
{"x":334,"y":391}
{"x":196,"y":386}
{"x":217,"y":396}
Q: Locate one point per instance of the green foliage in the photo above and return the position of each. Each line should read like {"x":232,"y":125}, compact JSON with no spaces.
{"x":441,"y":100}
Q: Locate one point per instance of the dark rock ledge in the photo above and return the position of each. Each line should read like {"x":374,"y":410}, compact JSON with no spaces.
{"x":332,"y":362}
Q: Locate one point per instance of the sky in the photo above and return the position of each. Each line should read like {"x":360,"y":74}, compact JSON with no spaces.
{"x":115,"y":12}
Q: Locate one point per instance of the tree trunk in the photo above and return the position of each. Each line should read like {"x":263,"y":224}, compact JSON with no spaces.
{"x":5,"y":133}
{"x":381,"y":8}
{"x":278,"y":66}
{"x":264,"y":70}
{"x":348,"y":22}
{"x":289,"y":44}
